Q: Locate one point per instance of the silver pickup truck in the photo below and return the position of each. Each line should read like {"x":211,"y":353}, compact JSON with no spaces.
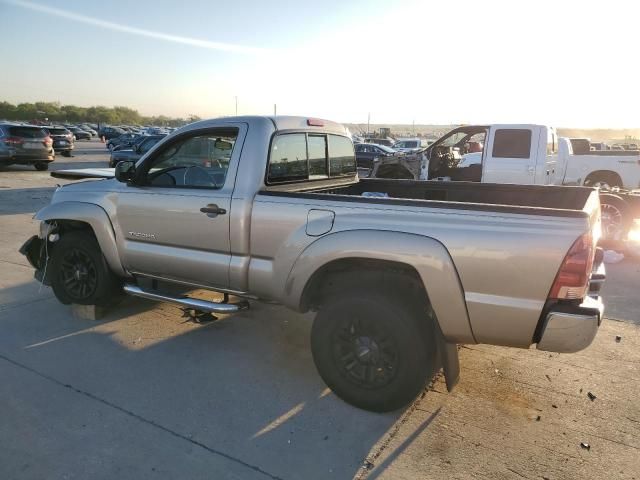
{"x":399,"y":272}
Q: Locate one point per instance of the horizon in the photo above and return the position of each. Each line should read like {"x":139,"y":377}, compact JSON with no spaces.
{"x":397,"y":63}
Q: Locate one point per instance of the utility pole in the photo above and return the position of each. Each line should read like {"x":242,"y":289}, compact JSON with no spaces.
{"x":236,"y":97}
{"x":368,"y":120}
{"x":275,"y":110}
{"x":414,"y":128}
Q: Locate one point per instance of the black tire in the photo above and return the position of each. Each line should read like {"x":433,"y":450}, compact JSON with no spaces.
{"x":375,"y":350}
{"x":66,"y":153}
{"x":616,"y":218}
{"x":79,"y":272}
{"x":604,"y":180}
{"x":41,"y":166}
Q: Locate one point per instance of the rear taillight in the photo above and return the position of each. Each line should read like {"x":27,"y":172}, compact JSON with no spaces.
{"x":572,"y":280}
{"x":13,"y":141}
{"x":47,"y":141}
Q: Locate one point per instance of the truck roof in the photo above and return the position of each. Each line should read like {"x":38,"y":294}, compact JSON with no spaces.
{"x":280,"y":123}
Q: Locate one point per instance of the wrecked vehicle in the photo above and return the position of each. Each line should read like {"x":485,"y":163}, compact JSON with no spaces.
{"x":526,"y":154}
{"x":399,"y":272}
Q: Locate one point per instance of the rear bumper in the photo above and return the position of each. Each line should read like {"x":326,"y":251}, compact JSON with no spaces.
{"x":571,"y":328}
{"x":28,"y":159}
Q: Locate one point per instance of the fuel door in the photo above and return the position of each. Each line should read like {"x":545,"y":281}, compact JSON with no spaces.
{"x":319,"y":222}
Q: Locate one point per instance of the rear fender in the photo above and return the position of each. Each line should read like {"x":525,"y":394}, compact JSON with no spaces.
{"x":427,"y":256}
{"x":96,"y":218}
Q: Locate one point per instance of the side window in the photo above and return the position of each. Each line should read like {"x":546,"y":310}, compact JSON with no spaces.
{"x":342,"y":160}
{"x":512,"y":143}
{"x":288,"y":160}
{"x":196,"y":161}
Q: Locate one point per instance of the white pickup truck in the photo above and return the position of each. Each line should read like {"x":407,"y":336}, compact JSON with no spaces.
{"x":535,"y":155}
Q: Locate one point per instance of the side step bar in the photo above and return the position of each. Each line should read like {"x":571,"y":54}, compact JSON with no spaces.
{"x":188,"y":302}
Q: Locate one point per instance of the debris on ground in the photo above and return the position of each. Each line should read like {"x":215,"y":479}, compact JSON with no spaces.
{"x":554,"y":406}
{"x":538,"y":418}
{"x":618,"y":338}
{"x":586,"y":446}
{"x":591,"y":396}
{"x":611,"y":256}
{"x":548,"y":377}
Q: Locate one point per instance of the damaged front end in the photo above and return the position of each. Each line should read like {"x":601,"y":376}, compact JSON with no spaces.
{"x":36,"y":249}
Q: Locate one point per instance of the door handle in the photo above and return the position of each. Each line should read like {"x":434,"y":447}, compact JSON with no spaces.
{"x":212,"y":210}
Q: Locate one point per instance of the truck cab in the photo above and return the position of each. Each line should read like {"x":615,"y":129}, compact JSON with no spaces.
{"x":522,"y":154}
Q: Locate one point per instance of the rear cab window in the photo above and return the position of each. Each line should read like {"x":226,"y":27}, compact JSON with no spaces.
{"x":296,"y":157}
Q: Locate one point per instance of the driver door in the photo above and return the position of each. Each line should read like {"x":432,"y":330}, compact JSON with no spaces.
{"x":173,"y":222}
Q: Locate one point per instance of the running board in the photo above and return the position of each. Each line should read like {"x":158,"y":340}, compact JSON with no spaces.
{"x":188,"y":302}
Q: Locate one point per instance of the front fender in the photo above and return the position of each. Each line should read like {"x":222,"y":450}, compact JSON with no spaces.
{"x":96,"y":218}
{"x":428,"y":256}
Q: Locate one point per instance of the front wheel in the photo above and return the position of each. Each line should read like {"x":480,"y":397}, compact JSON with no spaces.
{"x":79,"y":271}
{"x":41,"y":166}
{"x":373,"y":350}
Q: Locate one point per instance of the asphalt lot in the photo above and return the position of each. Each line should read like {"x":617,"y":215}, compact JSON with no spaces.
{"x":142,"y":394}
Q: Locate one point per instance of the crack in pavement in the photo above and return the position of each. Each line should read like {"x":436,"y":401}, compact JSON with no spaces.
{"x":140,"y":418}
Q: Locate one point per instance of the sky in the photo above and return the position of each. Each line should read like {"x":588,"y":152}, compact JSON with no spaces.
{"x":562,"y":63}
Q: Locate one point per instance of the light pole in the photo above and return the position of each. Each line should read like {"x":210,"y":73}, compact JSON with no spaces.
{"x":236,"y":97}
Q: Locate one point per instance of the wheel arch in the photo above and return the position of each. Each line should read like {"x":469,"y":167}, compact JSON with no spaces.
{"x":421,"y":259}
{"x":80,"y":215}
{"x":602,"y":174}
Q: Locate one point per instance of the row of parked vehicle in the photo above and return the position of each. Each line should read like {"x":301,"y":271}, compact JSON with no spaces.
{"x":37,"y":145}
{"x":109,"y":132}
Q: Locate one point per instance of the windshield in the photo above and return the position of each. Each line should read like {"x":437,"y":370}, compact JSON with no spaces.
{"x":386,"y":149}
{"x":453,"y":139}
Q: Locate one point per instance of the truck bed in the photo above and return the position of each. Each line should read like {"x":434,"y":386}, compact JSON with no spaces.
{"x":525,"y":199}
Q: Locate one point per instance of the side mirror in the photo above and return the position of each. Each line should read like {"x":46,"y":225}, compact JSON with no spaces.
{"x":125,"y":171}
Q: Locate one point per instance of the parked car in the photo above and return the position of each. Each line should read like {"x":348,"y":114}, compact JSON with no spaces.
{"x":124,"y":140}
{"x":110,"y":132}
{"x":79,"y":134}
{"x":87,"y":128}
{"x":25,"y":145}
{"x":409,"y":145}
{"x":272,"y":209}
{"x":137,"y":149}
{"x":366,"y":153}
{"x":62,"y":140}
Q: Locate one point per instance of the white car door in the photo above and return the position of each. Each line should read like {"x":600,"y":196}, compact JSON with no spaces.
{"x":511,"y":155}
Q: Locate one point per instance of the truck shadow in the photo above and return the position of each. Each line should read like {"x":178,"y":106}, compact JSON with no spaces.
{"x":244,"y":385}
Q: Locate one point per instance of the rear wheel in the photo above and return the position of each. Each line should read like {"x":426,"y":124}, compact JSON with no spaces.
{"x":375,"y":350}
{"x":41,"y":166}
{"x":79,"y":271}
{"x":66,"y":153}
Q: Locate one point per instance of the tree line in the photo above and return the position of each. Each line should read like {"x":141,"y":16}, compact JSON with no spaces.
{"x":56,"y":113}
